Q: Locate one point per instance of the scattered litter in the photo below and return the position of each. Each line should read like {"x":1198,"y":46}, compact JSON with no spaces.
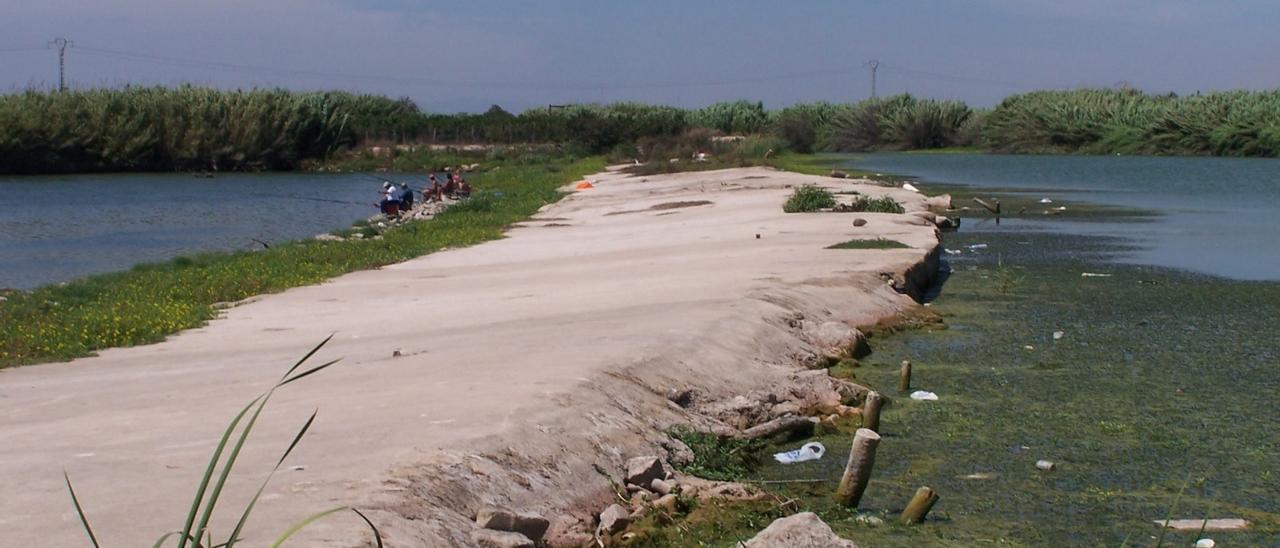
{"x":1029,"y":347}
{"x":1046,"y":201}
{"x":396,"y":354}
{"x":909,"y":186}
{"x":809,"y":451}
{"x":1058,"y":335}
{"x":1045,"y":465}
{"x":584,"y":185}
{"x":978,"y":476}
{"x":1216,"y":524}
{"x":1205,"y":543}
{"x":1094,"y":275}
{"x":952,"y":251}
{"x":921,"y":395}
{"x":1059,"y":208}
{"x":978,"y":246}
{"x":866,"y":519}
{"x":298,"y":468}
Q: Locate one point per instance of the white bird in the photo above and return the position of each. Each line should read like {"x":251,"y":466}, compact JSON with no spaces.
{"x":909,"y":186}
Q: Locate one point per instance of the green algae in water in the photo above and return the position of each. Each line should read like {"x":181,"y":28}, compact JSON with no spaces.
{"x":1161,"y":379}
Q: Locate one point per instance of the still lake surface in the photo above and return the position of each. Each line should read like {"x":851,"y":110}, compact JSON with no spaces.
{"x":1221,"y":216}
{"x":56,"y":228}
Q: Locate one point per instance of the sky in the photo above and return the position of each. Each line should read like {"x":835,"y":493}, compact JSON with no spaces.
{"x":464,"y":55}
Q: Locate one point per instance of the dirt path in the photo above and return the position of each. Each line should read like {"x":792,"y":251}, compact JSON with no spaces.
{"x":523,"y":362}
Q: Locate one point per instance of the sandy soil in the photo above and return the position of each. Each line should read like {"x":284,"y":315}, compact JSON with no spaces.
{"x":524,"y":363}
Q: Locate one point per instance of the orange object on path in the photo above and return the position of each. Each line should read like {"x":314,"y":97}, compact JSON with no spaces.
{"x":585,"y":185}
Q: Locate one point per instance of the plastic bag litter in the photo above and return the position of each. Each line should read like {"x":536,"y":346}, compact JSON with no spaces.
{"x":809,"y":451}
{"x":1058,"y":335}
{"x":909,"y":186}
{"x":921,"y":395}
{"x":1205,"y":543}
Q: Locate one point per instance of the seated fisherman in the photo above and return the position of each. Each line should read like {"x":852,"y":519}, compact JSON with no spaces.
{"x":406,"y":197}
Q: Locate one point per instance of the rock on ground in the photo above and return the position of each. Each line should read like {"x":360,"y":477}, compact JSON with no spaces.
{"x":643,"y":470}
{"x":614,"y":518}
{"x":803,"y":530}
{"x":489,"y":538}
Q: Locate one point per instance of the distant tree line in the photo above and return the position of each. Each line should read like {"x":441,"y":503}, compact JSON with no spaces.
{"x":192,"y":128}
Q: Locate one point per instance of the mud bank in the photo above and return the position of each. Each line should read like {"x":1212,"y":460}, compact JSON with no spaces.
{"x":510,"y":373}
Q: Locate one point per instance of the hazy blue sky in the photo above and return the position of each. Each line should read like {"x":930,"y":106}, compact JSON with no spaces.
{"x":467,"y":54}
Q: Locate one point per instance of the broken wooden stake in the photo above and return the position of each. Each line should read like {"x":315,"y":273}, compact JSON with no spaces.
{"x":862,"y":457}
{"x":904,"y":376}
{"x":871,"y":411}
{"x":992,"y":208}
{"x":919,"y":506}
{"x":802,"y":426}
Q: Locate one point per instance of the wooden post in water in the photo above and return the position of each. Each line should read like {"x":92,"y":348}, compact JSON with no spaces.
{"x":871,"y":411}
{"x":992,"y":208}
{"x":919,"y":506}
{"x":862,"y":456}
{"x":904,"y":376}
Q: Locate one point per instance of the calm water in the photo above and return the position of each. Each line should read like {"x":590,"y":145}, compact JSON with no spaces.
{"x":1222,"y":215}
{"x":55,"y":228}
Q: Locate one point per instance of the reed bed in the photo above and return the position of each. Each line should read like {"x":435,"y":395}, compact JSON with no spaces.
{"x":191,"y":128}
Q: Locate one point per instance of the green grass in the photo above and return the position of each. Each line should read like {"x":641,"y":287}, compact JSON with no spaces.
{"x":718,"y":457}
{"x":878,"y":243}
{"x":883,"y":204}
{"x":151,"y":301}
{"x":808,"y":198}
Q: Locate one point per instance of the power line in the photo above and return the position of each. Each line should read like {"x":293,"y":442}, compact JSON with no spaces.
{"x":965,"y":79}
{"x":199,"y":63}
{"x":872,"y":65}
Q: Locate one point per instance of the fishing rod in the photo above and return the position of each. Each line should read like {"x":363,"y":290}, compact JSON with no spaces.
{"x":377,"y":178}
{"x":311,"y":199}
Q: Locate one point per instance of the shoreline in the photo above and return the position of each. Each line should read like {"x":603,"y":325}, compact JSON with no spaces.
{"x":566,"y":338}
{"x":152,"y":301}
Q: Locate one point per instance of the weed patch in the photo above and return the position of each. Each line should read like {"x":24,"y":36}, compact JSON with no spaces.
{"x":809,"y":198}
{"x":717,"y":457}
{"x":878,"y":243}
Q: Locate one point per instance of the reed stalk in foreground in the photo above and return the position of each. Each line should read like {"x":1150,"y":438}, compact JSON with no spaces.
{"x":197,"y":534}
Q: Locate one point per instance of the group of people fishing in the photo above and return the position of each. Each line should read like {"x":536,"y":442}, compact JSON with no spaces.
{"x":400,"y":197}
